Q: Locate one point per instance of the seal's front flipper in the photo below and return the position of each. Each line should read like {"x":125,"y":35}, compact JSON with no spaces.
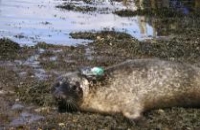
{"x":135,"y":119}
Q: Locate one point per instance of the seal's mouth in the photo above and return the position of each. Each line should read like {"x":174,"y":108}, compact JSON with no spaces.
{"x":67,"y":106}
{"x":66,"y":102}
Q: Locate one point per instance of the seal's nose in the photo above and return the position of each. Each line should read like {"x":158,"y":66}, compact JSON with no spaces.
{"x":59,"y":94}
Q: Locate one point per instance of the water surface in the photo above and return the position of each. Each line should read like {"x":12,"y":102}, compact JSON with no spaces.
{"x":28,"y":22}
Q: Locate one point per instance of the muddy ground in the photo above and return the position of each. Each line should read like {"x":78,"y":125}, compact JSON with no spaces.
{"x":27,"y":73}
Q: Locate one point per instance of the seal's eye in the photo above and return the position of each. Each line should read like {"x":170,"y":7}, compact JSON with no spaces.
{"x":74,"y":87}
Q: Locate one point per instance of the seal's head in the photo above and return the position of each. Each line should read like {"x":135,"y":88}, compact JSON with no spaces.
{"x":69,"y":90}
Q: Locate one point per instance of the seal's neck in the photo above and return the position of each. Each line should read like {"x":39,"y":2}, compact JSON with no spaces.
{"x":85,"y":87}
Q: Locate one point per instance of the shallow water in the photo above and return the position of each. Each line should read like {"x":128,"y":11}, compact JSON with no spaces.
{"x":26,"y":118}
{"x":28,"y":22}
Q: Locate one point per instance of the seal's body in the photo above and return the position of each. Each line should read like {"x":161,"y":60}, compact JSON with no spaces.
{"x":133,"y":87}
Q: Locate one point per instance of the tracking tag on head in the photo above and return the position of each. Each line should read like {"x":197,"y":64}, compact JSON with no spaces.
{"x":93,"y":73}
{"x":97,"y":71}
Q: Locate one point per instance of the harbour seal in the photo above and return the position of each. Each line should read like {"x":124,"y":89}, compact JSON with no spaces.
{"x":132,"y":87}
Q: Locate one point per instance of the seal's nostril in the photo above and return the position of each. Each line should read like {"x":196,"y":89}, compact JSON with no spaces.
{"x":57,"y":84}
